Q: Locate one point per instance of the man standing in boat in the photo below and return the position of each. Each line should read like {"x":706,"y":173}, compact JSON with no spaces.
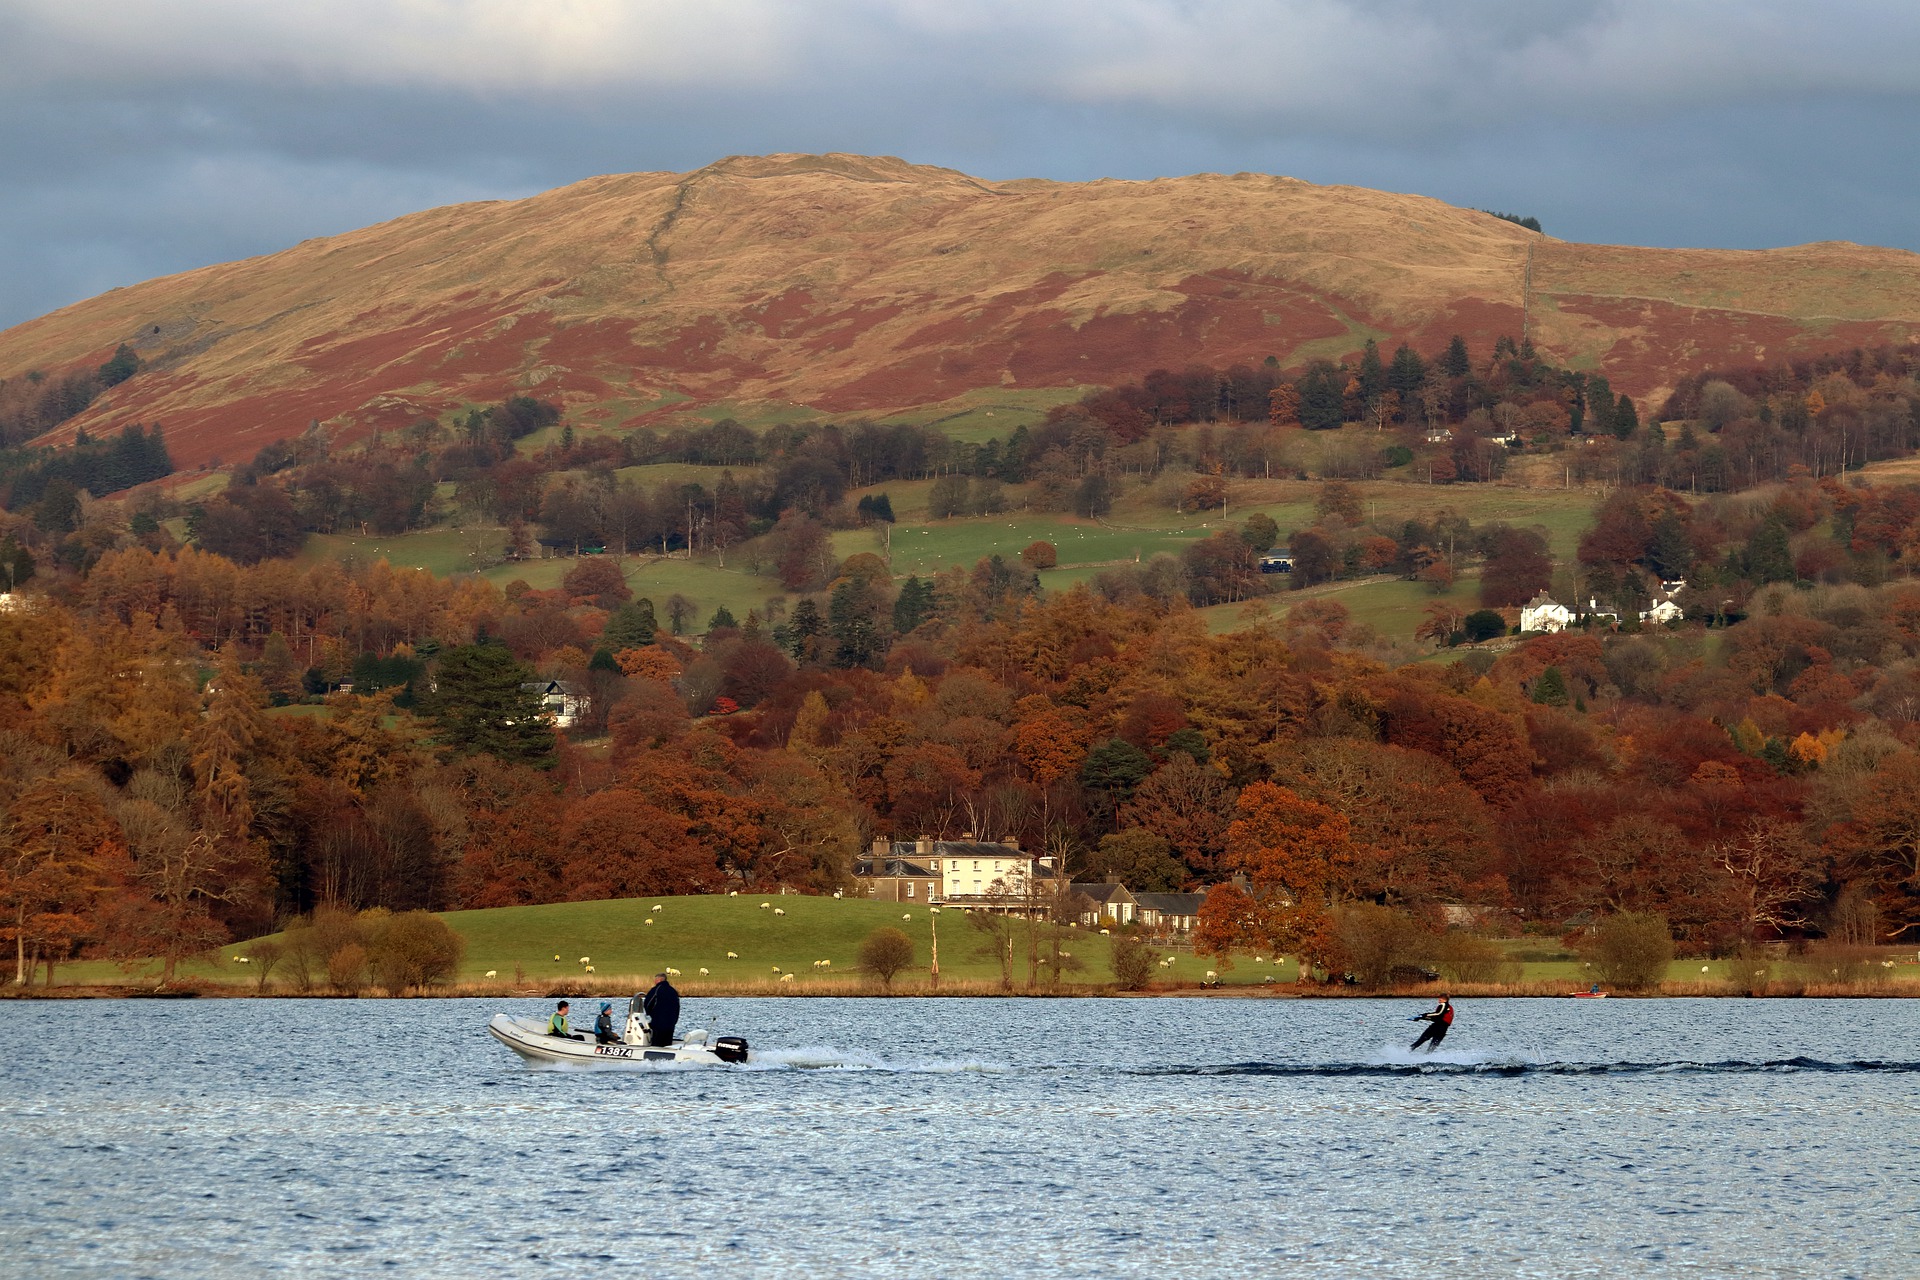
{"x":662,"y":1007}
{"x":1438,"y":1023}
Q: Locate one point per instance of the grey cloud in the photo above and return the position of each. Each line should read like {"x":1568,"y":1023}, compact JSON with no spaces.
{"x":152,"y":135}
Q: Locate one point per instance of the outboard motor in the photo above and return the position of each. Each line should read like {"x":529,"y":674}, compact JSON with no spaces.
{"x":730,"y":1049}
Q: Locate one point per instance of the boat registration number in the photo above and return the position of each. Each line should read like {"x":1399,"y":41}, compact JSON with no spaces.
{"x":627,"y":1051}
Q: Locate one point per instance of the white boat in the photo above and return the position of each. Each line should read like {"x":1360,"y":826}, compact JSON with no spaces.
{"x":530,"y":1038}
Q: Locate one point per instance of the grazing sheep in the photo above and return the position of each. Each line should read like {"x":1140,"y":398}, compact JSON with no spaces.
{"x":556,"y":955}
{"x":242,"y":960}
{"x":589,"y":968}
{"x":672,"y":972}
{"x":733,"y":893}
{"x":1211,"y":975}
{"x":493,"y":973}
{"x":733,"y":955}
{"x":647,"y":921}
{"x":703,"y":973}
{"x":906,"y":915}
{"x":585,"y":960}
{"x":786,"y":977}
{"x":765,"y":905}
{"x":779,"y":911}
{"x":1066,"y":955}
{"x":658,"y":905}
{"x":776,"y":968}
{"x":1105,"y":932}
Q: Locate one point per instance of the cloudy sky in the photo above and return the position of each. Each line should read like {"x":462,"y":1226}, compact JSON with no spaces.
{"x":140,"y":137}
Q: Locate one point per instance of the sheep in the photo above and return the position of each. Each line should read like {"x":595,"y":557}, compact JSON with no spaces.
{"x":648,"y":921}
{"x":589,"y":968}
{"x":658,"y":905}
{"x":243,"y":960}
{"x":1211,"y":975}
{"x":906,"y":915}
{"x":1705,"y":967}
{"x":1066,"y":955}
{"x":786,"y":977}
{"x":585,"y":960}
{"x":779,"y":911}
{"x":556,"y":956}
{"x":733,"y":893}
{"x":765,"y":905}
{"x":493,"y":973}
{"x":776,"y":968}
{"x":672,"y":972}
{"x":1105,"y":932}
{"x":733,"y":955}
{"x":703,"y":973}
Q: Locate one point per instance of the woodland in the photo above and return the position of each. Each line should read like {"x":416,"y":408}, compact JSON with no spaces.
{"x":181,"y":765}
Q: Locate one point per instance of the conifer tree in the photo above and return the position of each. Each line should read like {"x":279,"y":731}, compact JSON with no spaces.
{"x":479,"y":705}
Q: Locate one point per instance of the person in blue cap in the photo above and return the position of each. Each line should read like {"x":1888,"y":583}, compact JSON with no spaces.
{"x":603,"y":1026}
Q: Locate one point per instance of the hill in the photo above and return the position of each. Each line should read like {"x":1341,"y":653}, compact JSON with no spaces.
{"x":853,"y":285}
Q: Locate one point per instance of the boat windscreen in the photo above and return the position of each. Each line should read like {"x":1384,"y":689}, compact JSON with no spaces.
{"x":637,"y":1004}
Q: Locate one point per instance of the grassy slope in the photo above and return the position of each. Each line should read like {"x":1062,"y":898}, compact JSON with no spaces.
{"x":690,"y":933}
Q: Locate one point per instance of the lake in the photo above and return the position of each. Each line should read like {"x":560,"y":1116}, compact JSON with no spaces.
{"x":960,"y":1137}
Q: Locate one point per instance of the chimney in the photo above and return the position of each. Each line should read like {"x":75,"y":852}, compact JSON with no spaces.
{"x":882,"y":848}
{"x":1012,"y":842}
{"x":923,"y":847}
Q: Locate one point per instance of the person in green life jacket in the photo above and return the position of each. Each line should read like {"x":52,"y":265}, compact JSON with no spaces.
{"x":557,"y":1024}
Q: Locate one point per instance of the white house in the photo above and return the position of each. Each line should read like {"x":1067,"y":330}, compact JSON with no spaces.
{"x":1665,"y":607}
{"x":563,"y":701}
{"x":1107,"y":903}
{"x":986,"y":875}
{"x":1542,"y":613}
{"x":1171,"y":912}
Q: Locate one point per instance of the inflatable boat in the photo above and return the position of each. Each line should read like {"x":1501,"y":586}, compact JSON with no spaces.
{"x":530,"y":1038}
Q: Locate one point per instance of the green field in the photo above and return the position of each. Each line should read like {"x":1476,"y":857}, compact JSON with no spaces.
{"x":992,"y":413}
{"x":788,"y":935}
{"x":441,"y":551}
{"x":692,"y":933}
{"x":695,"y":933}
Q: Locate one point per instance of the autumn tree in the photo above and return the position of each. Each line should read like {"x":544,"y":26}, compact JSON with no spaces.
{"x":1291,"y":851}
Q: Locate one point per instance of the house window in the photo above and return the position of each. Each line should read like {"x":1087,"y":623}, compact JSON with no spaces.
{"x":936,"y":864}
{"x":976,"y":866}
{"x":909,"y":888}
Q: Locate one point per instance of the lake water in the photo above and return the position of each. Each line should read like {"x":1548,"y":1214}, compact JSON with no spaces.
{"x":969,"y":1138}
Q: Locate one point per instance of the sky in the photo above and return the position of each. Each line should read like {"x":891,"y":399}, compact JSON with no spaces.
{"x":142,"y":137}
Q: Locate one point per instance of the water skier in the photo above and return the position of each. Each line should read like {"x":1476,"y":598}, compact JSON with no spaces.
{"x":1438,"y":1022}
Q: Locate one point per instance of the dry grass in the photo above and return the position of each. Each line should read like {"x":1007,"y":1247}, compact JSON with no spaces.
{"x":449,"y":306}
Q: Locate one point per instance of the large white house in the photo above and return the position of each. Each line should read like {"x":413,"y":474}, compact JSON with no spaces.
{"x":983,"y":874}
{"x":1543,"y":613}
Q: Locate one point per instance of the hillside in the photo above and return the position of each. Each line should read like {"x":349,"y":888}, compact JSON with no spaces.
{"x":852,"y":285}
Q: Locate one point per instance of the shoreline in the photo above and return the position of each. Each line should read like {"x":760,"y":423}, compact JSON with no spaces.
{"x":1781,"y":990}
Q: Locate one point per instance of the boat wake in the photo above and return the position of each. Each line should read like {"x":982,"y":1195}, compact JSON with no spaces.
{"x":1452,"y":1065}
{"x":826,"y":1058}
